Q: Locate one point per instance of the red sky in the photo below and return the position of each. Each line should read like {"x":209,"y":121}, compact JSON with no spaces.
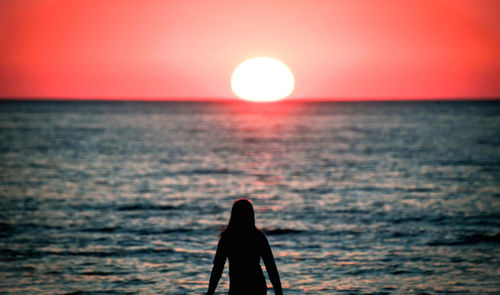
{"x":188,"y":49}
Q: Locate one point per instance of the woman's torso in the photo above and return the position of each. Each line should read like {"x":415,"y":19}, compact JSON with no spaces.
{"x":244,"y":252}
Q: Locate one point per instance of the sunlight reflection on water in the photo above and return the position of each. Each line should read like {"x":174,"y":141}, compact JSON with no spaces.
{"x":355,"y":198}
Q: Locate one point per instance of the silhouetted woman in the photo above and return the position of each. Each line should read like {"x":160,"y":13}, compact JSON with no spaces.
{"x":243,"y":244}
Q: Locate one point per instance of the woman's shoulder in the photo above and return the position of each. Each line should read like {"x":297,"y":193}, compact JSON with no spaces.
{"x":258,"y":238}
{"x":261,"y":236}
{"x":260,"y":233}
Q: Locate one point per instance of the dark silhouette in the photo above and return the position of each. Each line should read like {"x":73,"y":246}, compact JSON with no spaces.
{"x":243,"y":244}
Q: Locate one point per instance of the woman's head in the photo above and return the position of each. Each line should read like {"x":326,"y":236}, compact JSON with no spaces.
{"x":242,"y":216}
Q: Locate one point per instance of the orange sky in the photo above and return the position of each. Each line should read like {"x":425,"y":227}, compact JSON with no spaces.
{"x":188,"y":49}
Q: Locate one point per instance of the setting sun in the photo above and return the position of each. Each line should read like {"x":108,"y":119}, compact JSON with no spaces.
{"x":262,"y":79}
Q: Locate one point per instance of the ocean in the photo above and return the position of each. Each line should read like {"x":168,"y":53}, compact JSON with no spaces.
{"x":354,"y":197}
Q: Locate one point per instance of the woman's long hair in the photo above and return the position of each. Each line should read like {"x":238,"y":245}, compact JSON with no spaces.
{"x":242,"y":218}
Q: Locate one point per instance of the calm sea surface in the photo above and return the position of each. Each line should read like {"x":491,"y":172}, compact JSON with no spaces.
{"x":355,"y":198}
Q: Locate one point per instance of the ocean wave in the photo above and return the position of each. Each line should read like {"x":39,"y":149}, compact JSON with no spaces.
{"x":208,"y":171}
{"x":138,"y":207}
{"x":468,"y":240}
{"x":140,"y":231}
{"x":281,"y":231}
{"x":79,"y":292}
{"x":107,"y":252}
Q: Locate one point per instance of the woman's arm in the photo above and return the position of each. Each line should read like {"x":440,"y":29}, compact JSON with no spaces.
{"x":271,"y":268}
{"x":215,"y":277}
{"x":218,"y":268}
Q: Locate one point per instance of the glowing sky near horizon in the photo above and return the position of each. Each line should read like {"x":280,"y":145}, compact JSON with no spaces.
{"x":188,"y":49}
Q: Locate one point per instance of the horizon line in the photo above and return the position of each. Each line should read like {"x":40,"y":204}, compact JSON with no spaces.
{"x":227,"y":99}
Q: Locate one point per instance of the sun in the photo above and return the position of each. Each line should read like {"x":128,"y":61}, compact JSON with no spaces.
{"x":262,"y":79}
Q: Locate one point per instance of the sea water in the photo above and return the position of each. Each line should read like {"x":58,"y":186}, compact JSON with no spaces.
{"x":354,"y":197}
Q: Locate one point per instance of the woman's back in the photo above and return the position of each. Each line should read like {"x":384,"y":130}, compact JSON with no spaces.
{"x":244,"y":253}
{"x":243,"y":244}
